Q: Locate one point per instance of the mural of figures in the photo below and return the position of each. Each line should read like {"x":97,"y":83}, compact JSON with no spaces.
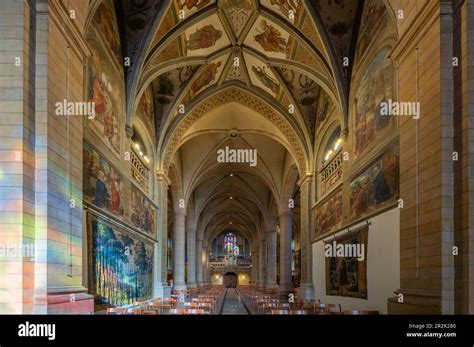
{"x":374,"y":17}
{"x":265,"y":78}
{"x":105,"y":22}
{"x":105,"y":83}
{"x":377,"y":186}
{"x":323,"y":109}
{"x":166,"y":88}
{"x":270,"y":38}
{"x":207,"y":77}
{"x":147,"y":113}
{"x":307,"y":92}
{"x":142,"y":212}
{"x":102,"y":184}
{"x":375,"y":87}
{"x":103,"y":95}
{"x":204,"y":37}
{"x":347,"y":276}
{"x":328,"y":215}
{"x":120,"y":264}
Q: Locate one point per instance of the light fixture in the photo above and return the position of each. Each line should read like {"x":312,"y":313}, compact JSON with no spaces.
{"x":230,"y":222}
{"x":141,"y":153}
{"x":137,"y":146}
{"x":338,"y":144}
{"x":231,"y":175}
{"x":231,"y":198}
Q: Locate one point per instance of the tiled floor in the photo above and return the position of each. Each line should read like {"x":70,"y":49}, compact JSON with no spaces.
{"x":232,"y":303}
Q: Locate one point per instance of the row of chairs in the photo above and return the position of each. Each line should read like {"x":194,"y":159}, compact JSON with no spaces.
{"x":198,"y":301}
{"x":264,"y":301}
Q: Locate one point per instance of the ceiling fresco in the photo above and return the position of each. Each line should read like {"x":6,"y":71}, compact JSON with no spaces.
{"x":261,"y":35}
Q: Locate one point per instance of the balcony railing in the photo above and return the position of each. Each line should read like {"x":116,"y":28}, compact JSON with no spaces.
{"x":331,"y":173}
{"x":140,"y":172}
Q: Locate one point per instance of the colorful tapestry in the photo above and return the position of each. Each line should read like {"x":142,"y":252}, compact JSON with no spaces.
{"x":347,"y":275}
{"x":120,"y":264}
{"x":328,"y":215}
{"x":377,"y":186}
{"x":102,"y":183}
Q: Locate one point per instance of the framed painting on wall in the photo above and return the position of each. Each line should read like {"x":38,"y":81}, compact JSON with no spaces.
{"x":377,"y":186}
{"x":346,"y":274}
{"x":328,"y":215}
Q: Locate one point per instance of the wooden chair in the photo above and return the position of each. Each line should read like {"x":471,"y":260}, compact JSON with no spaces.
{"x":266,"y":308}
{"x":334,"y":308}
{"x":283,"y":306}
{"x":177,"y":311}
{"x":279,"y":312}
{"x":155,"y":306}
{"x":134,"y":310}
{"x":207,"y":306}
{"x":319,"y":308}
{"x":114,"y":311}
{"x":298,"y":312}
{"x":190,"y":305}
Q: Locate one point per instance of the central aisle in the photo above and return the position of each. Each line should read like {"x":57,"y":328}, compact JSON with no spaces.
{"x":232,"y":303}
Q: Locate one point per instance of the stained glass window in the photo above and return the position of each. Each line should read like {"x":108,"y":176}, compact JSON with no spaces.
{"x":230,"y":244}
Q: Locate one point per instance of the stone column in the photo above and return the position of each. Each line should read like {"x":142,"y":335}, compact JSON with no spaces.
{"x":261,"y":262}
{"x":424,"y":56}
{"x":199,"y":263}
{"x":306,"y":290}
{"x":255,"y":266}
{"x":191,"y":268}
{"x":271,"y":258}
{"x":286,"y":284}
{"x":178,"y":251}
{"x":160,"y":266}
{"x":206,"y":278}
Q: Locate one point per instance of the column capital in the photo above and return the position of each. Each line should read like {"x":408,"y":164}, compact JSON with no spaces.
{"x":308,"y":177}
{"x":129,"y":131}
{"x":162,"y":176}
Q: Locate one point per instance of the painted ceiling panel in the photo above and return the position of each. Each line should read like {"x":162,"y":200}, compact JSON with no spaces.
{"x":205,"y":38}
{"x":269,"y":38}
{"x":209,"y":75}
{"x":261,"y":75}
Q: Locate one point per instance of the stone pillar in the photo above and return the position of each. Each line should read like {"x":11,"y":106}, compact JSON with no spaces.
{"x":205,"y":253}
{"x":271,"y":258}
{"x":286,"y":284}
{"x":41,"y":161}
{"x":306,"y":290}
{"x":261,"y":262}
{"x":160,"y":266}
{"x":199,"y":263}
{"x":424,"y":57}
{"x":255,"y":266}
{"x":191,"y":268}
{"x":178,"y":251}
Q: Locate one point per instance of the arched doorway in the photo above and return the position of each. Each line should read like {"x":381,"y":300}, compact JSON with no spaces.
{"x":230,"y":280}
